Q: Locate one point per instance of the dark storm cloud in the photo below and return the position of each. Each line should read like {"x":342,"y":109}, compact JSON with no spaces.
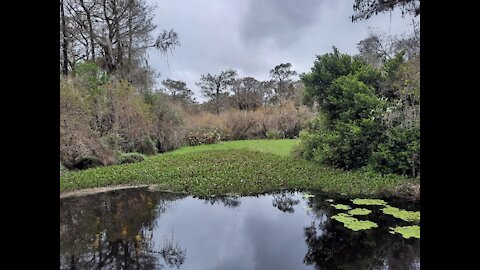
{"x":277,"y":20}
{"x":253,"y":36}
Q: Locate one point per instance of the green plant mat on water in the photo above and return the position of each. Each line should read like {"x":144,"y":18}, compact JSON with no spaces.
{"x":341,"y":206}
{"x":359,"y":211}
{"x":402,"y":214}
{"x":407,"y":231}
{"x":369,"y":202}
{"x":353,"y":223}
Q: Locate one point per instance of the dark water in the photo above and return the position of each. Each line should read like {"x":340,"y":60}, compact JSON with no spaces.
{"x":137,"y":229}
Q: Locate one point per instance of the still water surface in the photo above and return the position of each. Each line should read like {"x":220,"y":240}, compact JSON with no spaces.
{"x":138,"y":229}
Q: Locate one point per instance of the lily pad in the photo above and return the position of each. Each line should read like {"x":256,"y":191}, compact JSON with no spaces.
{"x":402,"y":214}
{"x":329,"y":200}
{"x":369,"y":202}
{"x":341,"y":206}
{"x":353,"y":223}
{"x":307,"y":196}
{"x":407,"y":231}
{"x":359,"y":211}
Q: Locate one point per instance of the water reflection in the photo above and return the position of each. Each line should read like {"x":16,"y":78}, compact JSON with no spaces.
{"x":228,"y":201}
{"x":137,"y":229}
{"x":332,"y":246}
{"x":285,"y":201}
{"x":114,"y":230}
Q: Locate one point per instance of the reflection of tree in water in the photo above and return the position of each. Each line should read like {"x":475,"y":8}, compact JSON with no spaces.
{"x":113,"y":230}
{"x":285,"y":201}
{"x":172,"y":254}
{"x":332,"y":246}
{"x":228,"y":201}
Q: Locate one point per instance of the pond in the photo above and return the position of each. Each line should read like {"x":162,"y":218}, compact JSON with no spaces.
{"x":140,"y":229}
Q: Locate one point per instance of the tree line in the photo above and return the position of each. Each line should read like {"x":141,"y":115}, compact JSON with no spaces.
{"x":351,"y":112}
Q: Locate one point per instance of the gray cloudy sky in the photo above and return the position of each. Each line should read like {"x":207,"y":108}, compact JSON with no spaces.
{"x":253,"y":36}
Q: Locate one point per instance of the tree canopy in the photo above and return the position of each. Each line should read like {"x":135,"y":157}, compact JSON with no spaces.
{"x":364,"y":9}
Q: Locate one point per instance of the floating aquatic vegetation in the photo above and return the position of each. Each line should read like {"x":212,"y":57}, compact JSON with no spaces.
{"x":353,"y":223}
{"x":341,"y":206}
{"x":369,"y":202}
{"x":329,"y":200}
{"x":359,"y":211}
{"x":307,"y":196}
{"x":402,"y":214}
{"x":407,"y":231}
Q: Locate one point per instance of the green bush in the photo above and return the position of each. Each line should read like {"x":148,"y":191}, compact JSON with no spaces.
{"x":399,"y":153}
{"x":350,"y":127}
{"x":90,"y":75}
{"x":130,"y":158}
{"x":348,"y":145}
{"x":275,"y":134}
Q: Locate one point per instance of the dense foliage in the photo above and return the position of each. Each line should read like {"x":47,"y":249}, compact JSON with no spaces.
{"x":369,"y":117}
{"x":103,"y":118}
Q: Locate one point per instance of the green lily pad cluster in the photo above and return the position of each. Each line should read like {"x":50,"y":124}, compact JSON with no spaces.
{"x":359,"y":211}
{"x":341,"y":206}
{"x":307,"y":196}
{"x":402,"y":214}
{"x":407,"y":231}
{"x":353,"y":223}
{"x":369,"y":202}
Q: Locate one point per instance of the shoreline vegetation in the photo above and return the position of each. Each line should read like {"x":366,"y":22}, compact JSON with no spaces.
{"x":236,"y":168}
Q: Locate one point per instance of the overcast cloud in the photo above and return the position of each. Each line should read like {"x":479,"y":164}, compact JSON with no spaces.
{"x":253,"y":36}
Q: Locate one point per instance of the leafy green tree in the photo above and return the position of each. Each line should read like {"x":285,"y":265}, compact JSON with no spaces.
{"x":368,"y":116}
{"x":349,"y":128}
{"x":329,"y":67}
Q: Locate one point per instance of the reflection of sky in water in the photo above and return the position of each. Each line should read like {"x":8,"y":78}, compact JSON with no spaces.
{"x":265,"y":232}
{"x":236,"y":238}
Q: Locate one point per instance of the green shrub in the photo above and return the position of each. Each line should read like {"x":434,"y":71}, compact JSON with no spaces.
{"x":345,"y":135}
{"x":89,"y":75}
{"x":348,"y":145}
{"x":130,"y":158}
{"x":275,"y":134}
{"x":399,"y":153}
